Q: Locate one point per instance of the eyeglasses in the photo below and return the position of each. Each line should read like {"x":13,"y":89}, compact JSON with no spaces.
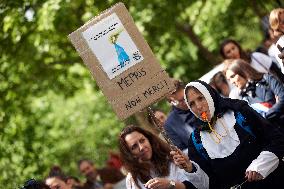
{"x":177,"y":102}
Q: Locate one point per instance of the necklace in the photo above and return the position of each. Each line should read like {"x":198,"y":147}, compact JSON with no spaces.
{"x":213,"y":131}
{"x":214,"y":134}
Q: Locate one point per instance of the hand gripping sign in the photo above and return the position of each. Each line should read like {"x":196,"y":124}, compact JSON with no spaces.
{"x":121,"y":61}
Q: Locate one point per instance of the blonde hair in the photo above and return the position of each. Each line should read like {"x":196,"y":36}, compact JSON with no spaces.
{"x":274,"y":18}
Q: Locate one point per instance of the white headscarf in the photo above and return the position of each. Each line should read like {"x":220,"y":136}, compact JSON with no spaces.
{"x":204,"y":91}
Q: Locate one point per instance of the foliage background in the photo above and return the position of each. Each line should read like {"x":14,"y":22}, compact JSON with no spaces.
{"x":51,"y":110}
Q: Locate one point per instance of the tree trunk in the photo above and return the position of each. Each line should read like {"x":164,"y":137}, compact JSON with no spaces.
{"x":256,"y":9}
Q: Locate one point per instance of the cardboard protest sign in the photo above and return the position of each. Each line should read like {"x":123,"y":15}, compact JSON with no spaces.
{"x":121,"y":61}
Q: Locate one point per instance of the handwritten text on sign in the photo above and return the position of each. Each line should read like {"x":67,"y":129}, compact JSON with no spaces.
{"x":131,"y":78}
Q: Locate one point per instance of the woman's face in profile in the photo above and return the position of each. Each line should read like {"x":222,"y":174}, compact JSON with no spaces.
{"x":231,"y":51}
{"x":139,"y":146}
{"x":198,"y":103}
{"x":236,"y":79}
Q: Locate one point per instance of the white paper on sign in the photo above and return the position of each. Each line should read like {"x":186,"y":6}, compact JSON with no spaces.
{"x":112,"y":45}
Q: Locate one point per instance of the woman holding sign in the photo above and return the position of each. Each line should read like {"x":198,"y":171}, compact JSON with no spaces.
{"x":233,"y":144}
{"x":151,"y":164}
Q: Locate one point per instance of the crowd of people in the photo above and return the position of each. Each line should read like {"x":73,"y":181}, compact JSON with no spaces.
{"x":228,"y":133}
{"x":109,"y":177}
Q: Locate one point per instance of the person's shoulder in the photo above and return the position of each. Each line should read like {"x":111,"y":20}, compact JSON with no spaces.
{"x":172,"y":112}
{"x":270,"y":78}
{"x":260,"y":55}
{"x":242,"y":107}
{"x":236,"y":105}
{"x":169,"y":122}
{"x":172,"y":117}
{"x":273,"y":83}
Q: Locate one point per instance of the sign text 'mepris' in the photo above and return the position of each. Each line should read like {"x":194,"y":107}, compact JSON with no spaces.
{"x":131,"y":78}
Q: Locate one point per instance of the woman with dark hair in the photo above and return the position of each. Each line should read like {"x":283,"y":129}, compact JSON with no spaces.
{"x":262,"y":91}
{"x":231,"y":49}
{"x":232,"y":143}
{"x":150,"y":165}
{"x":219,"y":82}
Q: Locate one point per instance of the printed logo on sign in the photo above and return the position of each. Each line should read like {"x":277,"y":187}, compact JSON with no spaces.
{"x":112,"y":45}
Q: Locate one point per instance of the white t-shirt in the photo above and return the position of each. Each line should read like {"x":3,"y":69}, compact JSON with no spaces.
{"x":199,"y":178}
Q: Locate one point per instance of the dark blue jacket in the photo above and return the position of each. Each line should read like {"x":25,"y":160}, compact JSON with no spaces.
{"x":178,"y":127}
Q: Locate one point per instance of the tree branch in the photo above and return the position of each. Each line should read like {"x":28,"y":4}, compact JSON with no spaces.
{"x":188,"y":31}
